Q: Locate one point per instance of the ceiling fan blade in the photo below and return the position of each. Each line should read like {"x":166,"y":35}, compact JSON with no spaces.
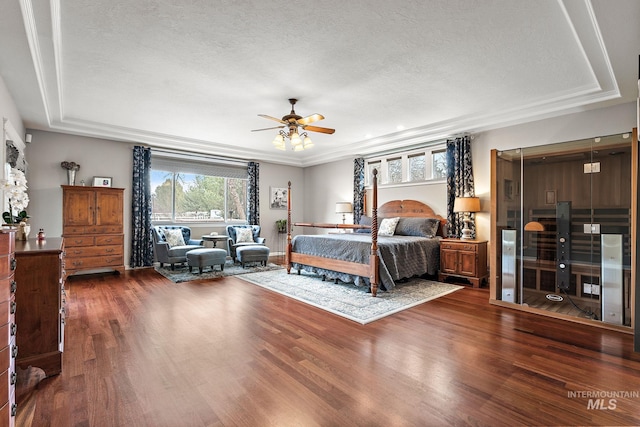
{"x":275,"y":127}
{"x":310,"y":119}
{"x":319,"y":129}
{"x":272,"y":118}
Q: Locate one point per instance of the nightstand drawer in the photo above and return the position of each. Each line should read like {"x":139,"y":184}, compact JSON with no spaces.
{"x":460,"y":246}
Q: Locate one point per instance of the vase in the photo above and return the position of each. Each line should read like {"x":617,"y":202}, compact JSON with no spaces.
{"x":23,"y":231}
{"x":71,"y":177}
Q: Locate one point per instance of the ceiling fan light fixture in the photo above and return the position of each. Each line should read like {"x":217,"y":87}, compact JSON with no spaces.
{"x":307,"y":143}
{"x":295,"y":139}
{"x":293,"y":122}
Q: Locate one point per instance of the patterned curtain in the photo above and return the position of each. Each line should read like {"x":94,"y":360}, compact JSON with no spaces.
{"x":459,"y":182}
{"x":141,"y":244}
{"x":358,"y":189}
{"x":253,"y":190}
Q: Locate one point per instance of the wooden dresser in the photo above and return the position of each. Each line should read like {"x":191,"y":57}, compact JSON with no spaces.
{"x":41,"y":301}
{"x":8,"y":346}
{"x":93,"y":230}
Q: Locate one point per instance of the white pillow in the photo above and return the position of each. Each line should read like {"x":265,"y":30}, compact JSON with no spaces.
{"x":388,"y":226}
{"x":244,"y":235}
{"x":174,"y":237}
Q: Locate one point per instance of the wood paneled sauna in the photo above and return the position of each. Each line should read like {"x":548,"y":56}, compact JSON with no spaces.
{"x":563,"y":229}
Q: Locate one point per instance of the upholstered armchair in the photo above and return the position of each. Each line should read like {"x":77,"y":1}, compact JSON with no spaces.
{"x":252,"y":238}
{"x":168,"y":248}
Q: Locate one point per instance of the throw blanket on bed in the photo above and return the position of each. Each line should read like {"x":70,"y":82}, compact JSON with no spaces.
{"x":400,"y":256}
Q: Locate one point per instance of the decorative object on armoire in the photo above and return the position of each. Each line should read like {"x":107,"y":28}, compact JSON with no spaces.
{"x":41,"y":235}
{"x":465,"y":206}
{"x":15,"y":189}
{"x":72,"y":168}
{"x":92,"y":225}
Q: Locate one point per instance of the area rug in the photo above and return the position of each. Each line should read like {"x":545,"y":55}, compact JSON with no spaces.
{"x":182,"y":274}
{"x":348,"y":300}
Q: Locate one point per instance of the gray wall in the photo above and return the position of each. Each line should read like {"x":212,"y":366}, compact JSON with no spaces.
{"x":101,"y":157}
{"x":8,"y":109}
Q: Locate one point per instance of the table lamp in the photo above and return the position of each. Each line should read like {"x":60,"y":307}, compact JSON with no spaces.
{"x":344,"y":208}
{"x":466,"y":205}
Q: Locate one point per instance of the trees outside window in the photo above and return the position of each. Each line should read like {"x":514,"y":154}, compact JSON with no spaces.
{"x":194,"y":198}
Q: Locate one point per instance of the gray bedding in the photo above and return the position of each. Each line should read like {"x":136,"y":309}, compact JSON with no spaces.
{"x":400,"y":256}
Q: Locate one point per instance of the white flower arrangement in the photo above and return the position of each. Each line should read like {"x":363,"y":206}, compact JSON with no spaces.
{"x":15,"y":190}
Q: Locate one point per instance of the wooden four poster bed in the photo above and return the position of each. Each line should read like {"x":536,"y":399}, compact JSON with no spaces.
{"x":357,"y":256}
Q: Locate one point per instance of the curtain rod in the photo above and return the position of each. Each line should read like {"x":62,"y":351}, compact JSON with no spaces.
{"x":200,"y":156}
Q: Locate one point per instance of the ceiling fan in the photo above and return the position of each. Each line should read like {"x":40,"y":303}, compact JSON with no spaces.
{"x":293,"y":121}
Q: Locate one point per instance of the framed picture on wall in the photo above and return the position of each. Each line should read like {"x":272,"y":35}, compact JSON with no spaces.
{"x":102,"y":181}
{"x":278,"y":198}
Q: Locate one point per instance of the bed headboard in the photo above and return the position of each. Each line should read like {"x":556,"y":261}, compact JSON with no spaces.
{"x":410,"y":208}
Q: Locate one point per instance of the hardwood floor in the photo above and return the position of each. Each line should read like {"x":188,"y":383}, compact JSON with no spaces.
{"x":143,"y":351}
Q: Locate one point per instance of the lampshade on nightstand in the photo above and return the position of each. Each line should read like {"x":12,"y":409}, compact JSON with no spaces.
{"x":466,"y":205}
{"x":344,"y":208}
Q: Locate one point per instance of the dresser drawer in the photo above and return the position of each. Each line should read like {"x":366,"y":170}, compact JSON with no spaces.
{"x":7,"y":311}
{"x":459,"y":246}
{"x":71,"y":230}
{"x":75,"y":241}
{"x":7,"y":288}
{"x":88,"y":251}
{"x":7,"y":265}
{"x":115,"y":239}
{"x":5,"y":358}
{"x":85,"y":263}
{"x":8,"y":332}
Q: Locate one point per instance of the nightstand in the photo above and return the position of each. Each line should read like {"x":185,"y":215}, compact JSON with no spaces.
{"x":464,"y":259}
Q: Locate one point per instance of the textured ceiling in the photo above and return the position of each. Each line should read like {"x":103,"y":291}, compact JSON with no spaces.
{"x":195,"y":74}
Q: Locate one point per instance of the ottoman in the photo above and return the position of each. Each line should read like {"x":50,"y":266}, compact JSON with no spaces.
{"x":206,"y":256}
{"x":252,"y":253}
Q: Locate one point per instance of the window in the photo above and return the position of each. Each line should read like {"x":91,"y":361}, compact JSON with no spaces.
{"x":421,"y":165}
{"x":439,"y":161}
{"x":394,"y":168}
{"x":193,"y":192}
{"x":416,"y":167}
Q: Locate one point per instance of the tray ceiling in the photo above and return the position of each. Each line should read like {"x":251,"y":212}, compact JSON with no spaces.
{"x":195,"y":75}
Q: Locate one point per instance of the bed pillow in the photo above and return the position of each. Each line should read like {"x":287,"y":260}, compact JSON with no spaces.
{"x":174,"y":237}
{"x":388,"y":226}
{"x":244,"y":235}
{"x":364,"y":220}
{"x":421,"y":227}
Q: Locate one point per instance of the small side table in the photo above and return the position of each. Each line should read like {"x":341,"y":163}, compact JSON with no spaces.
{"x":464,"y":259}
{"x":213,"y":240}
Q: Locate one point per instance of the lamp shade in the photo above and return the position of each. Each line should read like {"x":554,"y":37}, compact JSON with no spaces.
{"x":466,"y":204}
{"x":344,"y":207}
{"x":533,"y":226}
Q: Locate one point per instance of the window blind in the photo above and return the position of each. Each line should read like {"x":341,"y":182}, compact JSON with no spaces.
{"x":201,"y":166}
